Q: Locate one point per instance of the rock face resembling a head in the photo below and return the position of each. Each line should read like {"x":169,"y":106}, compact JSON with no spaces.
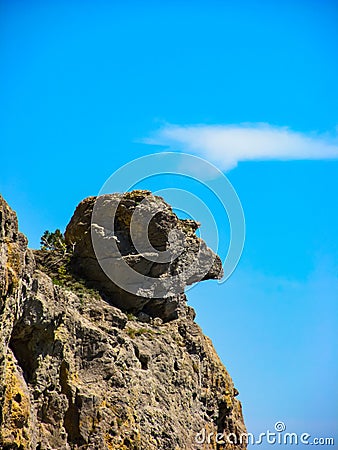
{"x":138,"y":253}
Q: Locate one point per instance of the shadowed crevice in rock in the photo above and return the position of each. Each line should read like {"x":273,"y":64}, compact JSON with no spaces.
{"x":72,"y":414}
{"x":28,"y":365}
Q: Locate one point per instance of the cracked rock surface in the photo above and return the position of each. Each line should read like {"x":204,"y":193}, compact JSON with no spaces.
{"x":83,"y":372}
{"x":108,"y":236}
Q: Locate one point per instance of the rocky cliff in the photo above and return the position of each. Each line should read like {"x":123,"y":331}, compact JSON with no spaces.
{"x":86,"y":364}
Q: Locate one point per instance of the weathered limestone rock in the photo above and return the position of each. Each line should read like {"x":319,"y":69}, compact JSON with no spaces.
{"x":174,"y":256}
{"x":16,"y":268}
{"x":76,"y":372}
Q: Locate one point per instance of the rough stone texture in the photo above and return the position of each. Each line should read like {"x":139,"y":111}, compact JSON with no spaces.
{"x":110,"y":225}
{"x":78,"y":373}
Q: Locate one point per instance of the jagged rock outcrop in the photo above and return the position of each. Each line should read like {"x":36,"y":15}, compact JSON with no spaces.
{"x":76,"y":372}
{"x":154,"y":274}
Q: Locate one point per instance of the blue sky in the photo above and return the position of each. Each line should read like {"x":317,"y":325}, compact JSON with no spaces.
{"x":87,"y":87}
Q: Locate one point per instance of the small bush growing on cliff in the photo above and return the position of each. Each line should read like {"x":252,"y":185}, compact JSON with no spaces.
{"x":54,"y":241}
{"x":54,"y":258}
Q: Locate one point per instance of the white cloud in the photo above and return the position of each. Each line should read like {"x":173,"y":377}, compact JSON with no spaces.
{"x":226,"y":145}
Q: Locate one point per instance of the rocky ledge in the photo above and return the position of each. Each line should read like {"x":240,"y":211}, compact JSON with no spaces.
{"x":85,"y":364}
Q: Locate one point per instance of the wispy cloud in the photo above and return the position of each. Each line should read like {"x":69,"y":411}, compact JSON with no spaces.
{"x":226,"y":145}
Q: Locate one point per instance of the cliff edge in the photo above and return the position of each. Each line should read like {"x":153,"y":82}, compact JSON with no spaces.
{"x":85,"y":364}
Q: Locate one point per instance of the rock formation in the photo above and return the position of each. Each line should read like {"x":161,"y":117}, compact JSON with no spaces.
{"x":106,"y":221}
{"x":86,"y":365}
